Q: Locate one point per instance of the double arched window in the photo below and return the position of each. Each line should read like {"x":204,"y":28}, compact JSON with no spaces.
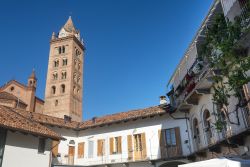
{"x":55,"y":76}
{"x":65,"y":61}
{"x":77,"y":52}
{"x":64,"y":75}
{"x":56,"y":63}
{"x":61,"y":49}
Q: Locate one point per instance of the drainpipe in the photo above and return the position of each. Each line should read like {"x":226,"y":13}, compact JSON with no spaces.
{"x":167,"y":107}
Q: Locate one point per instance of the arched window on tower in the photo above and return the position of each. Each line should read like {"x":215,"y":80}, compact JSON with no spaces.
{"x":78,"y":80}
{"x":75,"y":62}
{"x":75,"y":77}
{"x":56,"y":102}
{"x":64,"y":75}
{"x":55,"y":76}
{"x":63,"y":49}
{"x":62,"y":88}
{"x":56,"y":63}
{"x":74,"y":89}
{"x":76,"y":51}
{"x":53,"y":90}
{"x":60,"y":50}
{"x":65,"y":61}
{"x":79,"y":66}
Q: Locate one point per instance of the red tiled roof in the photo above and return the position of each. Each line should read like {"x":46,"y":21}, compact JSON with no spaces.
{"x":46,"y":119}
{"x":123,"y":117}
{"x":99,"y":121}
{"x":10,"y":119}
{"x":8,"y":96}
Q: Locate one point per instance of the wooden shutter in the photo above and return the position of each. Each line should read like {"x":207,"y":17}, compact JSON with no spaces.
{"x":144,"y":147}
{"x":81,"y":150}
{"x":71,"y":150}
{"x":130,"y":149}
{"x":162,"y":142}
{"x":111,"y":145}
{"x":100,"y":147}
{"x":178,"y":140}
{"x":55,"y":148}
{"x":119,"y":144}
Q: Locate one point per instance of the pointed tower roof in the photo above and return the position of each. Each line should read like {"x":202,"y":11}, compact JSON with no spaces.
{"x":33,"y":74}
{"x":69,"y":26}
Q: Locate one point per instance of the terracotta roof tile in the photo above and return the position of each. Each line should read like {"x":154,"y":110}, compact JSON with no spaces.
{"x":49,"y":120}
{"x":10,"y":119}
{"x":123,"y":116}
{"x":99,"y":121}
{"x":9,"y":96}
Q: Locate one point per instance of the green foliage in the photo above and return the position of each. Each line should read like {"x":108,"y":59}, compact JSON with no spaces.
{"x":224,"y":54}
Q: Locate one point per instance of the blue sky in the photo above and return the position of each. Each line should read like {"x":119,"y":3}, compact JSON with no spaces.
{"x":133,"y":46}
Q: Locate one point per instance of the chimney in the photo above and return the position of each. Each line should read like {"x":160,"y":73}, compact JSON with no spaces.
{"x":67,"y":118}
{"x":163,"y":100}
{"x":94,"y":120}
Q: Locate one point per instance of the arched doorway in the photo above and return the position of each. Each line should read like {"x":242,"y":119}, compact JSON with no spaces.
{"x":196,"y":132}
{"x":207,"y":126}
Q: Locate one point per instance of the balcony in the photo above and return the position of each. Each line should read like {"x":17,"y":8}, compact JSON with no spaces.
{"x":196,"y":83}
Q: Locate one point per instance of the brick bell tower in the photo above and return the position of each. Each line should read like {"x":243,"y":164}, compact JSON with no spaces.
{"x":64,"y":85}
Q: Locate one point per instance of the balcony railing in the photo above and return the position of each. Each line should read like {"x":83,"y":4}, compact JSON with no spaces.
{"x":192,"y":86}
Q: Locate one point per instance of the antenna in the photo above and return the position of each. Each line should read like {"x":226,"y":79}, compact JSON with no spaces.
{"x":70,"y":13}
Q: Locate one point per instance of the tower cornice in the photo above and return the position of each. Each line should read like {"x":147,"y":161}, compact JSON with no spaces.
{"x":68,"y":37}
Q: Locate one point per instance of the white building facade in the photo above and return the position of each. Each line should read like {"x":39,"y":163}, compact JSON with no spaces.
{"x":146,"y":141}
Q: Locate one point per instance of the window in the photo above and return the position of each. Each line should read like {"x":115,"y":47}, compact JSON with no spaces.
{"x":90,"y":149}
{"x":62,"y":88}
{"x":2,"y":144}
{"x":53,"y":90}
{"x":74,"y":89}
{"x":115,"y":145}
{"x":78,"y":80}
{"x":12,"y":88}
{"x":196,"y":130}
{"x":65,"y":62}
{"x":78,"y":91}
{"x":64,"y":75}
{"x":63,"y":49}
{"x":76,"y":51}
{"x":56,"y":102}
{"x":79,"y":66}
{"x":100,"y":147}
{"x":41,"y":145}
{"x":138,"y":142}
{"x":56,"y":63}
{"x":81,"y":150}
{"x":207,"y":125}
{"x":170,"y":137}
{"x":75,"y":77}
{"x":55,"y":76}
{"x":60,"y":50}
{"x":75,"y":62}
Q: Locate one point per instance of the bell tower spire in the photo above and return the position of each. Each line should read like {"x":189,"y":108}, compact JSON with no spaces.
{"x":64,"y":85}
{"x":69,"y":29}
